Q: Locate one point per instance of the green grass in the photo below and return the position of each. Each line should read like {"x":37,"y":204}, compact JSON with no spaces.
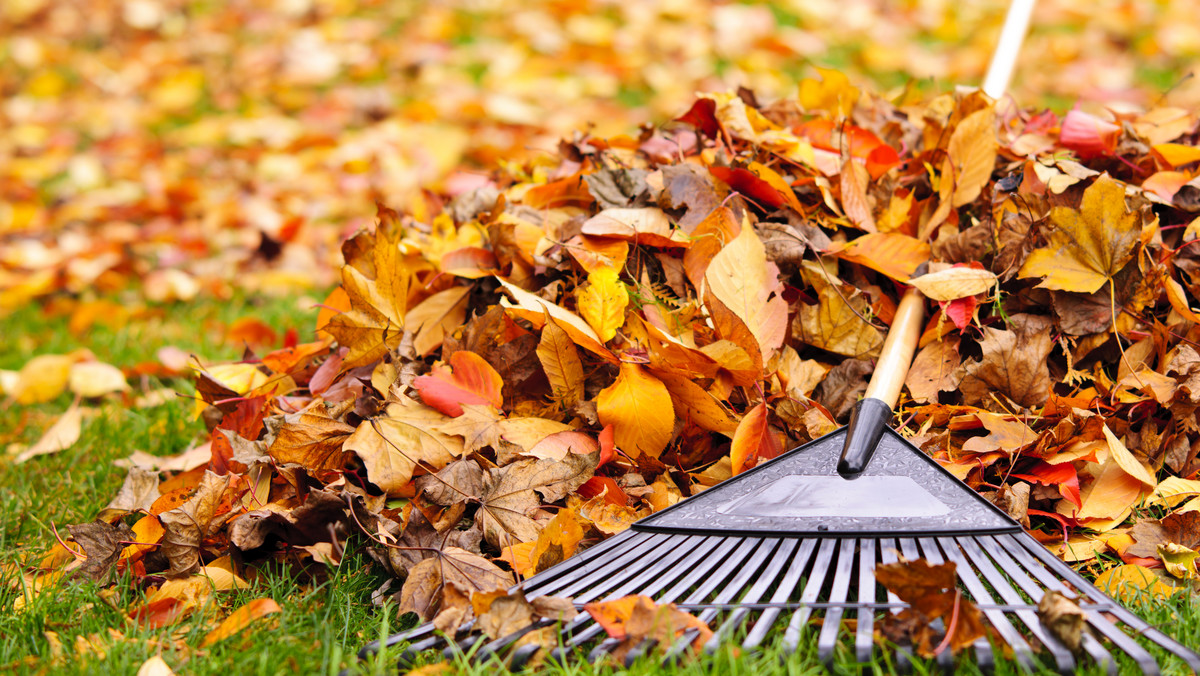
{"x":327,"y":613}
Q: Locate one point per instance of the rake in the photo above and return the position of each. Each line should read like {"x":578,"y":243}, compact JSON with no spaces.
{"x":792,"y":545}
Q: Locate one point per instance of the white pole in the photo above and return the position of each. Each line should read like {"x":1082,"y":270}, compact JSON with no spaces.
{"x":1004,"y":59}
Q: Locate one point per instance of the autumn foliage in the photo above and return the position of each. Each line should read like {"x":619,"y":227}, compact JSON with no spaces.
{"x":538,"y":362}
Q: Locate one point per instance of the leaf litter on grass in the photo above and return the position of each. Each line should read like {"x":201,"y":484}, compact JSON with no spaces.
{"x":625,"y":339}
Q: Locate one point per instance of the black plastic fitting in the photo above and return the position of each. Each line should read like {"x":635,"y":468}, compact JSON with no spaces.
{"x":867,"y":422}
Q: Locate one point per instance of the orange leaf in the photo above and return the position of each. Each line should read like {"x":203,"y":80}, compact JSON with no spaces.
{"x":891,"y":253}
{"x":468,"y":379}
{"x":240,"y":619}
{"x":752,"y":439}
{"x":639,"y":408}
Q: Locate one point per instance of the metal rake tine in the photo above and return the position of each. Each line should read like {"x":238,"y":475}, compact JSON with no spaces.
{"x":730,"y":591}
{"x":1015,"y":572}
{"x":685,"y":548}
{"x":766,"y":577}
{"x":1121,"y":612}
{"x":816,"y":580}
{"x":1122,"y":640}
{"x":582,"y":576}
{"x":724,"y":548}
{"x":681,"y":548}
{"x":782,"y":593}
{"x":999,"y":622}
{"x":888,"y":554}
{"x":669,"y":551}
{"x":864,"y":643}
{"x":1062,"y":655}
{"x":533,"y":585}
{"x":945,"y":659}
{"x":827,"y":639}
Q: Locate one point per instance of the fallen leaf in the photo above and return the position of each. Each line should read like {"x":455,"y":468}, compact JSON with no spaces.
{"x":742,"y":279}
{"x":602,"y":302}
{"x":639,"y":408}
{"x":239,"y":619}
{"x":62,"y":435}
{"x":1086,"y":248}
{"x":467,"y":379}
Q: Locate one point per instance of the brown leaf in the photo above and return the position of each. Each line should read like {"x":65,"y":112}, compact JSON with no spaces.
{"x":843,"y":386}
{"x":1012,"y":364}
{"x":312,"y":438}
{"x":203,"y":516}
{"x":1181,"y":529}
{"x":1063,"y":618}
{"x":422,"y":591}
{"x":392,"y":446}
{"x":931,"y":592}
{"x":560,"y":361}
{"x":937,"y":368}
{"x":103,"y":544}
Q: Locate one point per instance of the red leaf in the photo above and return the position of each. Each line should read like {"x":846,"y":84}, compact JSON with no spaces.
{"x":703,"y":116}
{"x":753,"y":440}
{"x":608,"y":445}
{"x":961,"y":311}
{"x":468,"y":379}
{"x":758,"y":189}
{"x":597,"y":485}
{"x":1062,"y":475}
{"x":1088,"y":135}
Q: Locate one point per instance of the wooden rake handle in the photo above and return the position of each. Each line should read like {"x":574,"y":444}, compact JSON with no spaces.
{"x":871,"y":415}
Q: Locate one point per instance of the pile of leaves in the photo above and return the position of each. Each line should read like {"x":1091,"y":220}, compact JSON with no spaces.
{"x":188,"y":149}
{"x":591,"y":337}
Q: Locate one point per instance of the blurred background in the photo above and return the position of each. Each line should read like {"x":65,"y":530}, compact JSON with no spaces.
{"x":183,"y":147}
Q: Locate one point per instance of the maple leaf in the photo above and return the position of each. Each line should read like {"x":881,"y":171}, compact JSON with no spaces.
{"x":836,"y":322}
{"x":422,"y":590}
{"x":188,"y":526}
{"x":1012,"y":363}
{"x":932,"y":593}
{"x":312,"y":438}
{"x":467,"y":379}
{"x":392,"y":446}
{"x":1086,"y":248}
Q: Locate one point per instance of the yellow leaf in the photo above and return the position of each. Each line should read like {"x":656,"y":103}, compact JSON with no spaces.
{"x":739,"y":277}
{"x":954,"y":283}
{"x":1130,"y":583}
{"x":971,"y":156}
{"x":560,"y":361}
{"x":155,"y":666}
{"x":391,"y":446}
{"x":602,"y":302}
{"x":853,"y":181}
{"x":433,"y":317}
{"x":239,"y":619}
{"x":534,"y":309}
{"x":1172,"y":491}
{"x":61,"y":435}
{"x":96,"y":379}
{"x":1176,"y":154}
{"x":1086,"y":248}
{"x":1179,"y":561}
{"x":894,"y":254}
{"x":835,"y":322}
{"x":1125,"y":459}
{"x":833,"y":92}
{"x":43,"y":378}
{"x":639,"y":408}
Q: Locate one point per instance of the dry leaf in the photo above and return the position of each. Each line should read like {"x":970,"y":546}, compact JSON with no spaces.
{"x":639,"y":408}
